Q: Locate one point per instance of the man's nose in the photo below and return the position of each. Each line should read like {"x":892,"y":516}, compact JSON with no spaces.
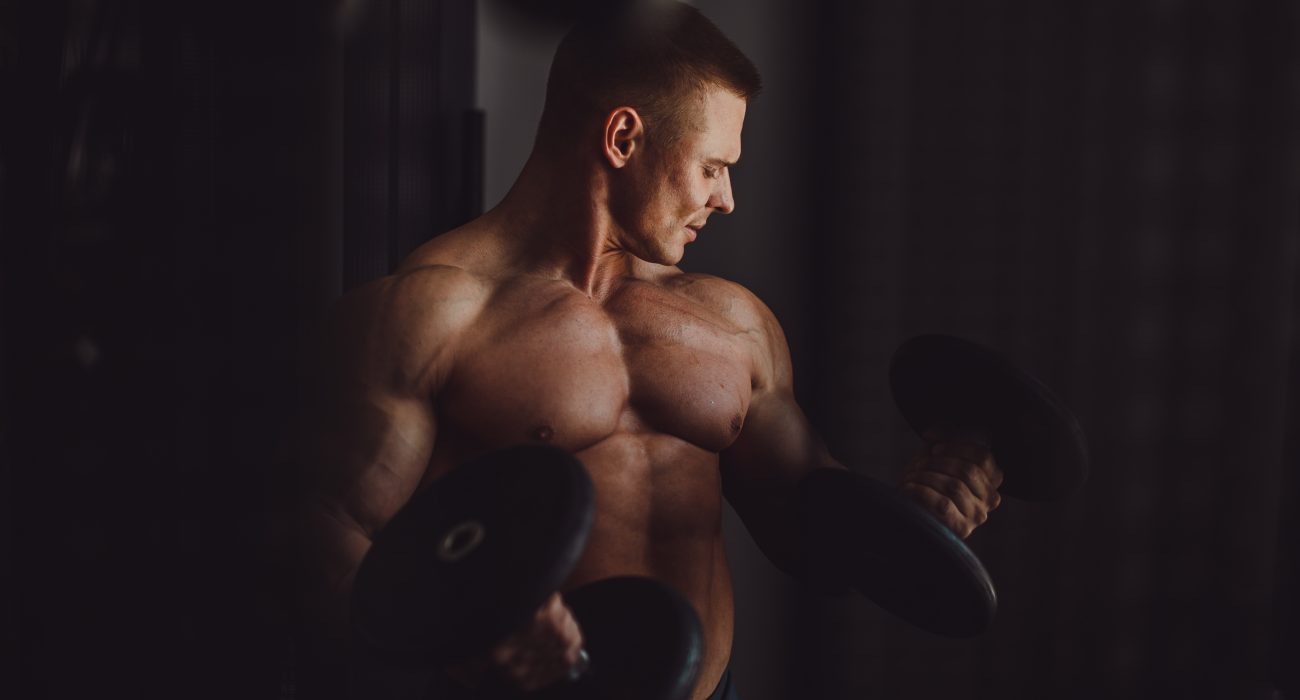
{"x":722,"y":199}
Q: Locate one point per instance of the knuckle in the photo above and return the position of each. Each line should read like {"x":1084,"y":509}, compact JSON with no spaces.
{"x":954,"y":489}
{"x":927,"y":497}
{"x":916,"y":492}
{"x":921,"y":488}
{"x":948,"y":509}
{"x":963,"y":469}
{"x":939,"y":494}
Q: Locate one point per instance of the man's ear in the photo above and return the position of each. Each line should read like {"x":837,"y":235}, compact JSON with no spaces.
{"x":624,"y":133}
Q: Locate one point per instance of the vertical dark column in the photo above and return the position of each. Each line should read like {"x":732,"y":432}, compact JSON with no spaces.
{"x":368,"y":224}
{"x":170,"y":236}
{"x":1285,"y":666}
{"x":864,"y":111}
{"x":458,"y":125}
{"x":408,"y":77}
{"x":169,"y":181}
{"x":30,"y":63}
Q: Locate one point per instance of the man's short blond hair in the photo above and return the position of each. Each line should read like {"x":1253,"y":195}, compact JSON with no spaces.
{"x":656,"y":58}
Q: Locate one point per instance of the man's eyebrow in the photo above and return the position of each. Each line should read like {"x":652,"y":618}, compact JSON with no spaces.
{"x":721,"y":162}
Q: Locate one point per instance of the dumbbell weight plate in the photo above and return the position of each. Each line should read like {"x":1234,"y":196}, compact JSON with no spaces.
{"x":472,"y":557}
{"x":866,"y":534}
{"x":643,"y":639}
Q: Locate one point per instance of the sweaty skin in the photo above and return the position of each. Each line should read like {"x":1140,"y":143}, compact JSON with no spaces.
{"x":560,"y":317}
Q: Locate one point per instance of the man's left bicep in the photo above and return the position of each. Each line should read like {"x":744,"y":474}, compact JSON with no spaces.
{"x":776,"y":445}
{"x":762,"y":469}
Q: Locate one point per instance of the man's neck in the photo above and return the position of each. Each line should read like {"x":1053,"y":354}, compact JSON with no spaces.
{"x":556,"y":219}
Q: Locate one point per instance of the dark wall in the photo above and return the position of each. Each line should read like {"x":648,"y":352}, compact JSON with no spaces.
{"x":180,"y":183}
{"x":1107,"y":192}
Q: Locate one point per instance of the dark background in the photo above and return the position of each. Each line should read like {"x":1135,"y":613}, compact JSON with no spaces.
{"x":1109,"y":192}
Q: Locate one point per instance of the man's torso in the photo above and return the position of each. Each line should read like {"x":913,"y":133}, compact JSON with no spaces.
{"x":645,"y":385}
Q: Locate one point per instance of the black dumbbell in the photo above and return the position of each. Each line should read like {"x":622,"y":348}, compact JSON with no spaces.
{"x":470,"y":560}
{"x":864,"y":534}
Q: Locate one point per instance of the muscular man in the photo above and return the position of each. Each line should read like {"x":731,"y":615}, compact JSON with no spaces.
{"x":559,"y":317}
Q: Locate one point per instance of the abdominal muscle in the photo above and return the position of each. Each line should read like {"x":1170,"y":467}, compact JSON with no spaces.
{"x":658,"y":514}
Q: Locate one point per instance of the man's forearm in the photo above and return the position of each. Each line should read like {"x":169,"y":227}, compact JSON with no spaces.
{"x":768,"y":500}
{"x":330,"y":546}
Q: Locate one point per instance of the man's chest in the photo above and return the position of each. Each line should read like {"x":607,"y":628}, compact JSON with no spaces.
{"x":566,"y":370}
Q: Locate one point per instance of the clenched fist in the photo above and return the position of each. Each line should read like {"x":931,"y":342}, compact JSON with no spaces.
{"x":547,"y":649}
{"x":956,"y":480}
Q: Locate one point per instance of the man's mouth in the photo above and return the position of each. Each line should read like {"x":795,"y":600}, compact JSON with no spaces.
{"x":694,"y":229}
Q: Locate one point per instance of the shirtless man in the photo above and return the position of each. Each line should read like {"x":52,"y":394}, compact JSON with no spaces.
{"x":559,"y":317}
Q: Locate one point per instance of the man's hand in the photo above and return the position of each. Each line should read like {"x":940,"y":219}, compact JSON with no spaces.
{"x":546,"y":650}
{"x":954,"y":479}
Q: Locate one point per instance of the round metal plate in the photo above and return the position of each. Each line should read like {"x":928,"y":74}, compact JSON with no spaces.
{"x":893,"y":552}
{"x":472,"y":557}
{"x":643,"y":639}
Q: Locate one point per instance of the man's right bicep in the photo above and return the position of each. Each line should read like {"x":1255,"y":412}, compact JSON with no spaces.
{"x":372,"y":453}
{"x":387,"y":354}
{"x":363,"y":458}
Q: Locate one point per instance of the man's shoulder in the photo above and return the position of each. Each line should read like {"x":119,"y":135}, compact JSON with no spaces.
{"x":438,"y":284}
{"x":749,"y":316}
{"x":409,"y":321}
{"x":428,"y":292}
{"x":724,"y":297}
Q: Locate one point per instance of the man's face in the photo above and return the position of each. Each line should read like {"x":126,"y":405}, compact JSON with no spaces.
{"x":677,"y":186}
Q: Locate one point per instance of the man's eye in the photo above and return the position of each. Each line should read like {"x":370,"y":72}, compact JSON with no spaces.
{"x":710,"y":172}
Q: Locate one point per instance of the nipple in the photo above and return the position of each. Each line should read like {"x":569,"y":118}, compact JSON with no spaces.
{"x":543,"y":433}
{"x":736,"y":423}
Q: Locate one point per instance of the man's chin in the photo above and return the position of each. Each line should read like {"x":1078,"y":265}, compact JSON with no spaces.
{"x":673,"y":258}
{"x":667,"y":258}
{"x":663,"y":262}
